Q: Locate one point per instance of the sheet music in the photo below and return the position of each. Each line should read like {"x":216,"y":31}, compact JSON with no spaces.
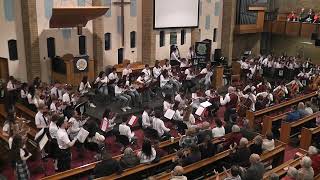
{"x":39,"y":134}
{"x":169,"y":114}
{"x":205,"y":104}
{"x":43,"y":142}
{"x":82,"y":135}
{"x":132,"y":120}
{"x":200,"y":111}
{"x":105,"y":125}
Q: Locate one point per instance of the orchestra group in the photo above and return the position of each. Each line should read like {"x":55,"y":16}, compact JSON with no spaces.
{"x":266,"y":80}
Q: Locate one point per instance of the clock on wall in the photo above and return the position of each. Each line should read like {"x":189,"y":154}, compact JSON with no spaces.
{"x":81,"y":64}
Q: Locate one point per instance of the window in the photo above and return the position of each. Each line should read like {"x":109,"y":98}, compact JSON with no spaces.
{"x":173,"y":38}
{"x":183,"y":36}
{"x":82,"y":45}
{"x":120,"y":56}
{"x":107,"y":41}
{"x":162,"y":38}
{"x":214,"y":34}
{"x":51,"y":47}
{"x":13,"y":51}
{"x":133,"y":39}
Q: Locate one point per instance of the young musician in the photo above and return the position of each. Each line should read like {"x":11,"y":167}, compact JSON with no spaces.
{"x":20,"y":156}
{"x":146,"y":119}
{"x":64,"y":144}
{"x":120,"y":93}
{"x":132,"y":92}
{"x":191,"y":54}
{"x":113,"y":79}
{"x":84,"y":85}
{"x":143,"y":82}
{"x":102,"y":82}
{"x":41,"y":120}
{"x":53,"y":129}
{"x":158,"y":125}
{"x":110,"y":117}
{"x":67,"y":96}
{"x":166,"y":66}
{"x":156,"y":70}
{"x":175,"y":57}
{"x":125,"y":130}
{"x":56,"y":91}
{"x":147,"y":73}
{"x":167,"y":103}
{"x":127,"y":70}
{"x":165,"y":84}
{"x":75,"y":123}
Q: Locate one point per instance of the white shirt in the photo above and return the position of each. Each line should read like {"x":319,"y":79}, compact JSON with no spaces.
{"x":267,"y":145}
{"x":63,"y":138}
{"x":66,"y":98}
{"x":188,"y":73}
{"x":113,"y":76}
{"x":174,"y":56}
{"x":146,"y":159}
{"x":23,"y":94}
{"x":204,"y":71}
{"x":126,"y":131}
{"x":166,"y":67}
{"x":163,"y":81}
{"x":266,"y":94}
{"x":41,"y":121}
{"x":53,"y":129}
{"x":75,"y":127}
{"x":53,"y":107}
{"x":166,"y":106}
{"x":225,"y":100}
{"x":126,"y":72}
{"x":218,"y":132}
{"x":146,"y":120}
{"x":10,"y":86}
{"x":178,"y":116}
{"x":83,"y":88}
{"x":147,"y":73}
{"x":283,"y":88}
{"x":159,"y":126}
{"x":56,"y":92}
{"x":118,"y":90}
{"x":30,"y":99}
{"x":156,"y":72}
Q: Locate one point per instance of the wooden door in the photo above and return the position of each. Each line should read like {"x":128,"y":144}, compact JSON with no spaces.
{"x":4,"y":68}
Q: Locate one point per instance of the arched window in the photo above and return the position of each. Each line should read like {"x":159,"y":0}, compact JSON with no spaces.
{"x":82,"y":45}
{"x":51,"y":47}
{"x":13,"y":51}
{"x":107,"y":41}
{"x":133,"y":39}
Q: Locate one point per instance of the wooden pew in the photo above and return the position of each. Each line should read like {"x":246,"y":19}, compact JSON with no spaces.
{"x":286,"y":127}
{"x":268,"y":120}
{"x":267,"y":155}
{"x":127,"y":172}
{"x":279,"y":170}
{"x":25,"y":112}
{"x":251,"y":116}
{"x":306,"y":136}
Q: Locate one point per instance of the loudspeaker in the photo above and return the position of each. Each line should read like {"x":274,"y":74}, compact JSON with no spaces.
{"x":217,"y":54}
{"x":317,"y":42}
{"x":314,"y":36}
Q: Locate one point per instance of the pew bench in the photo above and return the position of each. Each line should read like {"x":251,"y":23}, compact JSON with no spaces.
{"x":280,"y":170}
{"x":89,"y":167}
{"x":287,"y":127}
{"x":306,"y":136}
{"x":253,"y":115}
{"x":267,"y":155}
{"x":269,"y":120}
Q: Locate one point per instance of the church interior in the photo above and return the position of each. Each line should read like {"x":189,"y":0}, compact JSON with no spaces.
{"x":160,"y":89}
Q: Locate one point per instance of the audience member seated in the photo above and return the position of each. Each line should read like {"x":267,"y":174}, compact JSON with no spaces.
{"x":308,"y":108}
{"x":189,"y":139}
{"x":190,"y":156}
{"x":306,"y":171}
{"x":240,"y":154}
{"x":274,"y":176}
{"x":233,"y":175}
{"x":256,"y":147}
{"x":294,"y":115}
{"x":314,"y":105}
{"x":292,"y":174}
{"x":129,"y":159}
{"x":204,"y":131}
{"x":106,"y":167}
{"x":268,"y":142}
{"x":234,"y":138}
{"x":177,"y":174}
{"x":207,"y":148}
{"x":302,"y":110}
{"x":256,"y":169}
{"x":147,"y":153}
{"x":313,"y":153}
{"x":219,"y":130}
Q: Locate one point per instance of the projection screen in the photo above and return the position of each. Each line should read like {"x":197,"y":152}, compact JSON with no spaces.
{"x":176,"y":13}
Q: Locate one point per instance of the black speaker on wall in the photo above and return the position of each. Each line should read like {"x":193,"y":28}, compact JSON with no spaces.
{"x":217,"y":54}
{"x":314,"y":36}
{"x":317,"y":42}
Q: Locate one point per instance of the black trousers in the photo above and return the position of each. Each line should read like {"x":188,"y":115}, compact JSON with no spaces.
{"x":64,"y":159}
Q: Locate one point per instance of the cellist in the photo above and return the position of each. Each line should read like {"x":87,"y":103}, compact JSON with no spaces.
{"x":294,"y":87}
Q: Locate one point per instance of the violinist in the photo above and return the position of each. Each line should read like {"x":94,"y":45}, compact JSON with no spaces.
{"x":167,"y":66}
{"x":56,"y":90}
{"x":156,"y":70}
{"x":132,"y":92}
{"x":213,"y":97}
{"x":165,"y":83}
{"x":147,"y":73}
{"x":143,"y":83}
{"x":84,"y":86}
{"x":102,"y":83}
{"x":76,"y":122}
{"x":41,"y":120}
{"x":189,"y":83}
{"x":206,"y":80}
{"x":119,"y":91}
{"x":56,"y":105}
{"x":67,"y":98}
{"x":127,"y":70}
{"x":230,"y":101}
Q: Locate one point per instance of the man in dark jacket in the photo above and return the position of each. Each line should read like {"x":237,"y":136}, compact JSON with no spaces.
{"x":107,"y":166}
{"x":256,"y":170}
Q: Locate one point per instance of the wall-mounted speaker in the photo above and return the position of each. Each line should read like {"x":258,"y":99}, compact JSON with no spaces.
{"x":314,"y":36}
{"x":317,"y":42}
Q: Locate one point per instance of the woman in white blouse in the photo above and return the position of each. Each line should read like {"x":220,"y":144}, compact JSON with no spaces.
{"x":147,"y":153}
{"x":84,"y":85}
{"x":219,"y":130}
